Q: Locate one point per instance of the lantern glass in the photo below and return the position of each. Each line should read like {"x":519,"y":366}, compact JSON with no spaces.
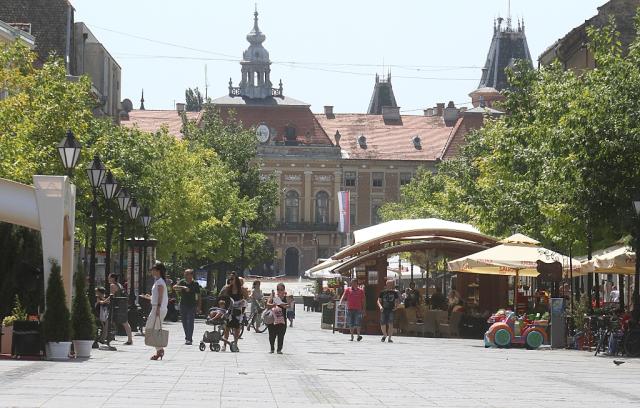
{"x":244,"y":229}
{"x":109,"y":186}
{"x":134,"y":209}
{"x":123,"y":198}
{"x":69,"y":149}
{"x":96,"y":172}
{"x":146,"y":218}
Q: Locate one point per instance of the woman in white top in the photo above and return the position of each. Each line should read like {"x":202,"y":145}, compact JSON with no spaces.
{"x":159,"y":301}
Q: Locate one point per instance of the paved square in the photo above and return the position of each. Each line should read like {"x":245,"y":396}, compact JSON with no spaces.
{"x":322,"y":369}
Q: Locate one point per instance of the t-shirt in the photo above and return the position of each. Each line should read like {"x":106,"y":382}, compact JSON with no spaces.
{"x":412,"y":298}
{"x":154,"y":294}
{"x":354,"y":297}
{"x":388,"y":298}
{"x":188,"y":296}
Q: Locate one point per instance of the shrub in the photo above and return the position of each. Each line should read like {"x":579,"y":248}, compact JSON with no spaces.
{"x":56,"y":324}
{"x":17,"y":313}
{"x":83,"y":325}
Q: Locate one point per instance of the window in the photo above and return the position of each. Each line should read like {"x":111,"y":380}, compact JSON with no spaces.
{"x":375,"y":218}
{"x":350,"y":178}
{"x":405,"y":178}
{"x":323,"y":253}
{"x":377,"y":179}
{"x":291,"y":207}
{"x":322,"y":207}
{"x":290,"y":136}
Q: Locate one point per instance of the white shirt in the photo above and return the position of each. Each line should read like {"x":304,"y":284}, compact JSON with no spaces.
{"x":615,"y":295}
{"x":154,"y":294}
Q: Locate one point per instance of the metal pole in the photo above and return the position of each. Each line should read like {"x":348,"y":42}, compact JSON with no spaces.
{"x":589,"y":275}
{"x":109,"y":239}
{"x":132,"y":275}
{"x":636,"y":286}
{"x":92,"y":259}
{"x":122,"y":249}
{"x":571,"y":274}
{"x":144,"y":261}
{"x":241,"y":272}
{"x":140,"y":287}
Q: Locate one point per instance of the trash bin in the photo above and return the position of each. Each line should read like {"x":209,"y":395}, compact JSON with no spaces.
{"x":558,"y":323}
{"x":328,"y":315}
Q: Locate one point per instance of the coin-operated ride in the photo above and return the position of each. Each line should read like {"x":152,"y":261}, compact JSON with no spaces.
{"x":508,"y":330}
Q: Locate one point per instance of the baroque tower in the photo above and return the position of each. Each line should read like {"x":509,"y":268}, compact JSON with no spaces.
{"x":382,"y":96}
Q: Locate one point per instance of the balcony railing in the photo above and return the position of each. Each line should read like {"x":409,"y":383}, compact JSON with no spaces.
{"x":304,"y":226}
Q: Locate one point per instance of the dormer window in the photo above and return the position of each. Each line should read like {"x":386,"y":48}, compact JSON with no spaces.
{"x":362,"y":141}
{"x":417,"y":143}
{"x":290,"y":135}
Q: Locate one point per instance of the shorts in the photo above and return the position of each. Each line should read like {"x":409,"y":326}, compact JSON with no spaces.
{"x":291,"y":314}
{"x":386,"y":317}
{"x":233,"y":323}
{"x":354,"y":318}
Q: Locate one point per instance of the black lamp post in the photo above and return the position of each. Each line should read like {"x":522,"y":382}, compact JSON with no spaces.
{"x":69,"y":149}
{"x":636,"y":285}
{"x":146,"y":221}
{"x":123,"y":198}
{"x":244,"y":230}
{"x":133,"y":211}
{"x":96,"y":173}
{"x":109,"y":190}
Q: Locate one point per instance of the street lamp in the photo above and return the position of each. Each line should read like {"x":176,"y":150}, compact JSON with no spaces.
{"x":96,"y":173}
{"x":69,"y":149}
{"x":636,"y":285}
{"x":244,"y":230}
{"x":123,"y":198}
{"x":133,"y":211}
{"x":146,"y":221}
{"x":109,"y":190}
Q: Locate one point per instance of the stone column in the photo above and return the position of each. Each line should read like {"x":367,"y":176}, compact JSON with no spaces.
{"x":278,"y":211}
{"x":307,"y":196}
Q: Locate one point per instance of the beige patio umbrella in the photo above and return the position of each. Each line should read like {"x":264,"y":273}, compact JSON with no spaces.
{"x":616,"y":260}
{"x":518,"y":255}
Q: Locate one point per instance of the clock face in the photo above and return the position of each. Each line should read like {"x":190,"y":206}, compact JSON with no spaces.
{"x":262,"y":133}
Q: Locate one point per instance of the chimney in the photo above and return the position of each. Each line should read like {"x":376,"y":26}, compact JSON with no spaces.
{"x":439,"y":109}
{"x":391,"y":113}
{"x":328,"y":112}
{"x":450,"y":114}
{"x":180,"y":107}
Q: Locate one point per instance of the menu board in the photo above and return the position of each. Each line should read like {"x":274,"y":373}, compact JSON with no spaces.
{"x":373,"y":277}
{"x":341,"y":316}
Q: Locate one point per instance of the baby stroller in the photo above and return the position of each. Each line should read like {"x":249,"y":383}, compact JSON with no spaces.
{"x":232,"y":315}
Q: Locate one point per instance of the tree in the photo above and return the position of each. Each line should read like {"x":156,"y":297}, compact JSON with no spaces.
{"x":193,"y":99}
{"x":83,"y":325}
{"x":56,"y":323}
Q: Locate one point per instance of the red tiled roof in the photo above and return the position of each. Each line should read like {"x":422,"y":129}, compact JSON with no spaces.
{"x":388,"y":141}
{"x":308,"y":130}
{"x":465,"y":124}
{"x":154,"y":120}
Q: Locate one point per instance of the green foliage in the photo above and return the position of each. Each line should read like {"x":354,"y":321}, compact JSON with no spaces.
{"x":18,"y":313}
{"x":561,"y":162}
{"x":193,"y":100}
{"x":83,"y":325}
{"x":56,"y":324}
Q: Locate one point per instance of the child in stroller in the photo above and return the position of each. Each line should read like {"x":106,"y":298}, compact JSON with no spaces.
{"x":220,"y":318}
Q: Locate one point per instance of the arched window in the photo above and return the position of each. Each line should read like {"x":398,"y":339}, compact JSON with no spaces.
{"x":291,"y":206}
{"x":322,"y":207}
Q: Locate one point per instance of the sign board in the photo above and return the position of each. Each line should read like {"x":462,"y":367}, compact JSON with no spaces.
{"x":341,"y":316}
{"x":373,"y":277}
{"x":550,"y":272}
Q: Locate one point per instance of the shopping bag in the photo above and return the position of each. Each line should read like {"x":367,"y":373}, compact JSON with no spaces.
{"x":156,"y":336}
{"x":268,"y":317}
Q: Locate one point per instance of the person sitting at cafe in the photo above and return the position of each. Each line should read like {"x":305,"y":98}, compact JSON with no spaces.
{"x":455,"y":302}
{"x":412,"y":296}
{"x":438,"y":301}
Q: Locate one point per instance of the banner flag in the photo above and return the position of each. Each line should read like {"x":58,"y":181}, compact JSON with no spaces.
{"x":345,"y":211}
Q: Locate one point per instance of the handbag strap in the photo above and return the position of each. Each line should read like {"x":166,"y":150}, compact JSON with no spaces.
{"x":158,"y":319}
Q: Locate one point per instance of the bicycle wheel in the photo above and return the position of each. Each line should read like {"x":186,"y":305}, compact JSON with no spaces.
{"x":258,"y":324}
{"x":601,"y":343}
{"x":632,"y":344}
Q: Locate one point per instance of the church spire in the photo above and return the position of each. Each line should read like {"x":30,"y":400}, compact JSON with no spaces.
{"x":382,"y":95}
{"x":142,"y":100}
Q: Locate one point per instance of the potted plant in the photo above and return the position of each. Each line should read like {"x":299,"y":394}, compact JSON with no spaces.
{"x":56,"y":323}
{"x":83,"y":325}
{"x":18,"y":313}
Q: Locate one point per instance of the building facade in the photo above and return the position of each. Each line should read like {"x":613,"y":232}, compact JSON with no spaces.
{"x":314,"y":156}
{"x":52,"y":25}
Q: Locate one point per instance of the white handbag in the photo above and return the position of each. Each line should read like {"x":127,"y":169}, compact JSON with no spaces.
{"x":156,"y":337}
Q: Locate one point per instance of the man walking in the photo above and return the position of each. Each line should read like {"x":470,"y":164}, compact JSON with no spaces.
{"x":387,"y":303}
{"x":354,"y":296}
{"x":189,"y":296}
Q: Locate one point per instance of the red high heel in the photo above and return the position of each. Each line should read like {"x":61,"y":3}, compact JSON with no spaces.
{"x":159,"y":354}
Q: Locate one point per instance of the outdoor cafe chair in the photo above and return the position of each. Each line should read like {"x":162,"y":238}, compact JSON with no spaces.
{"x":451,"y":328}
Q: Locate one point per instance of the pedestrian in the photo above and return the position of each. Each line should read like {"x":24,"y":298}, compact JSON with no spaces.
{"x":236,"y":291}
{"x":116,"y":290}
{"x":291,"y":310}
{"x":190,"y":300}
{"x":412,"y":296}
{"x":278,"y":305}
{"x":256,"y":298}
{"x":438,"y":301}
{"x":159,"y":301}
{"x":354,"y":295}
{"x":102,"y":310}
{"x":615,"y":295}
{"x":387,"y":303}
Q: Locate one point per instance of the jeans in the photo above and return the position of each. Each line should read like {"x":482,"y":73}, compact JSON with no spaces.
{"x":188,"y":315}
{"x":277,"y":330}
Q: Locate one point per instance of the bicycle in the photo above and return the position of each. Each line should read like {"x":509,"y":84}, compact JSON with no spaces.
{"x":607,"y":326}
{"x":255,"y":319}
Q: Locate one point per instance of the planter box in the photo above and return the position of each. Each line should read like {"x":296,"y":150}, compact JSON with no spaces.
{"x":82,"y":348}
{"x":27,"y":340}
{"x":58,"y":350}
{"x":7,"y":337}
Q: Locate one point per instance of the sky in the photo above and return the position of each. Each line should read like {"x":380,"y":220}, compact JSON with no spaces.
{"x":326,"y":52}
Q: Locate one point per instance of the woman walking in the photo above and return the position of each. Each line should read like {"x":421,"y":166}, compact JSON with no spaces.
{"x":159,"y":301}
{"x":236,"y":291}
{"x":116,"y":290}
{"x":278,"y":305}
